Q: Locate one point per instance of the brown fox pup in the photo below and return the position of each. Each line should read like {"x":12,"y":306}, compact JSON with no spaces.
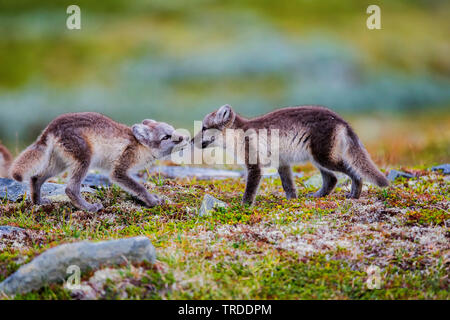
{"x":305,"y":133}
{"x":5,"y":161}
{"x":80,"y":141}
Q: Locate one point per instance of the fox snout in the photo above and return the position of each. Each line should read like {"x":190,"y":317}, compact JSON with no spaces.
{"x":201,"y":140}
{"x":205,"y":144}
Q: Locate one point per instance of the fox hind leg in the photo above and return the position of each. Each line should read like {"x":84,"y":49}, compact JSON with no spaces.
{"x":134,"y":187}
{"x":54,"y":167}
{"x":79,"y":151}
{"x":252,"y":185}
{"x":357,"y":184}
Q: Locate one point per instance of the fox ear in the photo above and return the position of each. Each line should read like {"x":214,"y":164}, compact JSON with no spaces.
{"x":142,"y":133}
{"x":224,"y":116}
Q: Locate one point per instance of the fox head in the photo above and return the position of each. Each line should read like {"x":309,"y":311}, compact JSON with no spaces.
{"x":160,"y":137}
{"x":213,"y":128}
{"x":5,"y":161}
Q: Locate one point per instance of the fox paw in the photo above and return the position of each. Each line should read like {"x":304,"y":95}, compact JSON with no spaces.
{"x":315,"y":195}
{"x":155,"y":201}
{"x":44,"y":202}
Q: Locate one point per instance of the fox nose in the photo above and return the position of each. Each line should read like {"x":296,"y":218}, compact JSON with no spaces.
{"x":205,"y":144}
{"x":179,"y":139}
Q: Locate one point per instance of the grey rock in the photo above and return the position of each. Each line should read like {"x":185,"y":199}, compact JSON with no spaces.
{"x":205,"y":173}
{"x":395,"y":174}
{"x":7,"y":230}
{"x":316,"y":180}
{"x":95,"y":180}
{"x":208,"y":204}
{"x":14,"y":191}
{"x":199,"y":173}
{"x":445,"y":168}
{"x":51,"y":266}
{"x":276,"y":175}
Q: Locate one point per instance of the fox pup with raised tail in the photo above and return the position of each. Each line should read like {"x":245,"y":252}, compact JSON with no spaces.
{"x":5,"y":161}
{"x":305,"y":133}
{"x":80,"y":141}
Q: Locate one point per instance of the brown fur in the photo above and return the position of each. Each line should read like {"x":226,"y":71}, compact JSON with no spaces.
{"x":79,"y":141}
{"x":5,"y":161}
{"x":320,"y":134}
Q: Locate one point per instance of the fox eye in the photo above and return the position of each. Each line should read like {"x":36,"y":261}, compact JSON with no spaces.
{"x":165,"y":137}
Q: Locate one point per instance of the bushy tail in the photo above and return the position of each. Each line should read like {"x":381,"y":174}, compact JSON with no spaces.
{"x":30,"y":162}
{"x":361,"y":162}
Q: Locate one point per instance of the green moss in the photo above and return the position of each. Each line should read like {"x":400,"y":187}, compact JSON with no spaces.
{"x":229,"y":254}
{"x":428,"y":216}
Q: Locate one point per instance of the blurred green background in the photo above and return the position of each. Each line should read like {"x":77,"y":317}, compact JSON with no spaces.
{"x":177,"y":60}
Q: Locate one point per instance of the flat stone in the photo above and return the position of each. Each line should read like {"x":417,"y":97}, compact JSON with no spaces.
{"x":15,"y":191}
{"x":95,"y":180}
{"x":395,"y":174}
{"x":273,"y":173}
{"x":11,"y":189}
{"x":7,"y":230}
{"x":445,"y":168}
{"x":316,"y":180}
{"x":52,"y":265}
{"x":208,"y":204}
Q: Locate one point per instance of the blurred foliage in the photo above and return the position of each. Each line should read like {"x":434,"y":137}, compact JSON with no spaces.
{"x":414,"y":34}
